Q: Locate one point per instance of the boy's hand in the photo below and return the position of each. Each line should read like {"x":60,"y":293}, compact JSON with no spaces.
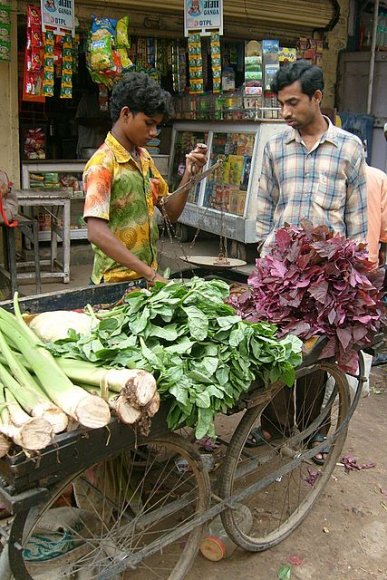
{"x":196,"y":160}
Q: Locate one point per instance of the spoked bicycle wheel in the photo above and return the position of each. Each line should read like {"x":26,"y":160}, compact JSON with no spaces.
{"x":279,"y":480}
{"x":117,"y":520}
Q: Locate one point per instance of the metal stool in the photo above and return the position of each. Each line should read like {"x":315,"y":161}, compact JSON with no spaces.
{"x":29,"y":229}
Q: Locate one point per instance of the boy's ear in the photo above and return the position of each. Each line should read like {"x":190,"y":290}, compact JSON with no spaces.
{"x":125,"y":112}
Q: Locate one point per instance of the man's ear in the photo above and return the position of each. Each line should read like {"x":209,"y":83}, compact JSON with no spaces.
{"x":318,"y":96}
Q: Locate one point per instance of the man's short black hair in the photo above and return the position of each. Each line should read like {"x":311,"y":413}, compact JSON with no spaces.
{"x":310,"y":77}
{"x":142,"y":95}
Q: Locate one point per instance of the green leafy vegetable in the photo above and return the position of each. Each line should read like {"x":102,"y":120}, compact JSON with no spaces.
{"x":203,"y":355}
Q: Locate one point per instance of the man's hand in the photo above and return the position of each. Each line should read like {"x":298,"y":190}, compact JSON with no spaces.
{"x":196,"y":159}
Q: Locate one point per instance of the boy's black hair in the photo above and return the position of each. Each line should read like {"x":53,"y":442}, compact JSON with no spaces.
{"x":310,"y":77}
{"x":142,"y":95}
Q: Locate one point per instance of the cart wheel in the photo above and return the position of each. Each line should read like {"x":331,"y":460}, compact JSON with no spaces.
{"x":286,"y":479}
{"x":111,"y":518}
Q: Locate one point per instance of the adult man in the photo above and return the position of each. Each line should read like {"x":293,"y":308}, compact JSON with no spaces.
{"x":312,"y":170}
{"x":123,"y":186}
{"x":316,"y":171}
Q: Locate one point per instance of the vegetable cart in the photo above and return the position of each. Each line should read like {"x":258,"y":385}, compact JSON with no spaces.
{"x":111,"y":503}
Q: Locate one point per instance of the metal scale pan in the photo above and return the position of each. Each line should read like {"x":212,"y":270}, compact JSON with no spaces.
{"x":213,"y":261}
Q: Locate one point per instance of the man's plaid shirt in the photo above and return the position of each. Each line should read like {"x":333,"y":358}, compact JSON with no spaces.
{"x":326,"y":185}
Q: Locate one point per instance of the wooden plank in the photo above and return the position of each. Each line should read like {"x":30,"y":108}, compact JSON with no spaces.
{"x":70,"y":299}
{"x":74,"y":451}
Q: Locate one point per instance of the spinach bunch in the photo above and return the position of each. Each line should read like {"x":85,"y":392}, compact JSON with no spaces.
{"x":203,"y":355}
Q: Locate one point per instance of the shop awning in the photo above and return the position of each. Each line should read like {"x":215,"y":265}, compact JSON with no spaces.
{"x":243,"y":19}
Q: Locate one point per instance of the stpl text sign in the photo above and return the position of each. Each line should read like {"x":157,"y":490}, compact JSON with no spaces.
{"x":203,"y":16}
{"x":58,"y":15}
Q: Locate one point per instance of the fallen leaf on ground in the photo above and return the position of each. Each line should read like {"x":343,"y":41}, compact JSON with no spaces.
{"x":312,"y":476}
{"x":350,"y":464}
{"x":295,"y":560}
{"x":284,"y":572}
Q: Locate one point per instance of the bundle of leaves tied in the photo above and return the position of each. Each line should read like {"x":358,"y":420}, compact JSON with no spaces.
{"x":203,"y":355}
{"x":315,"y":282}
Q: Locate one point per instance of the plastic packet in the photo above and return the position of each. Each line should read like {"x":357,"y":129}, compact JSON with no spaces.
{"x":101,"y":54}
{"x":33,"y":17}
{"x":108,"y":24}
{"x":122,"y":37}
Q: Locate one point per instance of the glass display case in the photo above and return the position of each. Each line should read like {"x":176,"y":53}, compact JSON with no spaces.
{"x":184,"y":142}
{"x":225,"y":201}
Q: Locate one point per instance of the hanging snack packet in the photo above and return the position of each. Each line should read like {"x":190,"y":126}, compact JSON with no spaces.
{"x":195,"y":64}
{"x":216,"y":63}
{"x":37,"y":59}
{"x":122,"y":37}
{"x":66,"y":88}
{"x":48,"y":72}
{"x":34,"y":38}
{"x":116,"y":69}
{"x":101,"y":55}
{"x":108,"y":24}
{"x":33,"y":17}
{"x":125,"y":60}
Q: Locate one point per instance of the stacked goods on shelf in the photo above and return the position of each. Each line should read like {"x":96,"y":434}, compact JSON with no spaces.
{"x":287,"y":55}
{"x":185,"y":142}
{"x":178,"y":61}
{"x":35,"y":144}
{"x":226,"y":188}
{"x":270,"y":59}
{"x":252,"y":101}
{"x":53,"y":180}
{"x":310,"y":49}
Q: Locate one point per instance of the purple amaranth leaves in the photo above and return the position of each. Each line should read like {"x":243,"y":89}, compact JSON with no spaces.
{"x":315,"y":282}
{"x":312,"y":476}
{"x":350,"y":464}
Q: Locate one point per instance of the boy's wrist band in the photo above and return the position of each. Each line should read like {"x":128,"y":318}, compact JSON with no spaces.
{"x":153,"y":277}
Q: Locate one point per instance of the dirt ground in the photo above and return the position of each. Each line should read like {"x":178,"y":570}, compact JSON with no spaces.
{"x":345,"y":535}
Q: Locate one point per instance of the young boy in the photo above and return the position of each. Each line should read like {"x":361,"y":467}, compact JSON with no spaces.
{"x":123,"y":186}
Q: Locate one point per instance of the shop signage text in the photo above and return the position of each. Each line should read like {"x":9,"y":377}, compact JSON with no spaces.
{"x":203,"y":16}
{"x":58,"y":15}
